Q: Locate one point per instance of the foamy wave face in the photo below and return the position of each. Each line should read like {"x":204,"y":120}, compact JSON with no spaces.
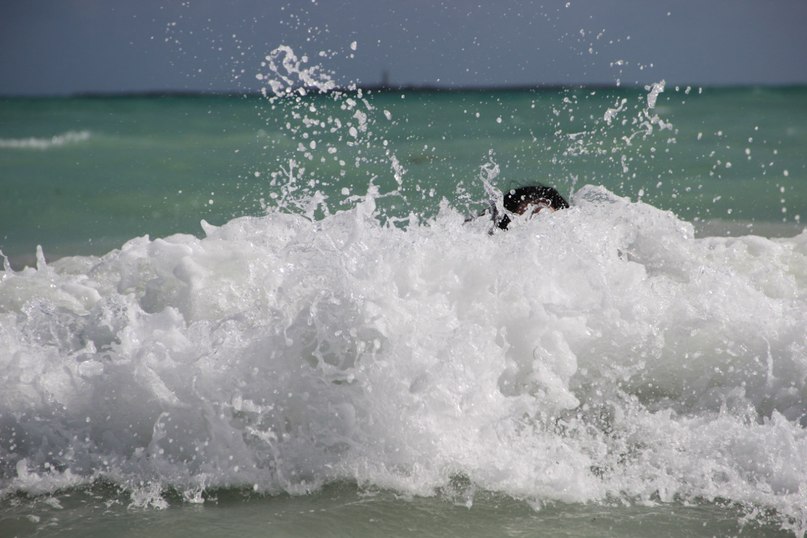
{"x":594,"y":352}
{"x":70,"y":137}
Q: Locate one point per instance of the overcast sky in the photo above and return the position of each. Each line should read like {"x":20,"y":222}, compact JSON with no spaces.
{"x":68,"y":46}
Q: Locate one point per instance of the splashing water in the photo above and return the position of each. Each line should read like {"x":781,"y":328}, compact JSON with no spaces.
{"x":288,"y":74}
{"x":591,"y":354}
{"x":586,"y":354}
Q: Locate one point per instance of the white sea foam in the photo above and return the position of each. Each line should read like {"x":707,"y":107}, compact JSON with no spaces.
{"x":70,"y":137}
{"x":591,"y":353}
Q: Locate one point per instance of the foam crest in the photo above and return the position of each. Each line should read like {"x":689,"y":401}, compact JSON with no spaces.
{"x":595,"y":352}
{"x":56,"y":141}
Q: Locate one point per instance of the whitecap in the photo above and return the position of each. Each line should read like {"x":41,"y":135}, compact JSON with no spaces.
{"x":70,"y":137}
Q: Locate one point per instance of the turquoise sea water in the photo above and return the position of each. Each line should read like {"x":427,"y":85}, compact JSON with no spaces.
{"x":257,"y":316}
{"x":340,"y":510}
{"x":83,"y":175}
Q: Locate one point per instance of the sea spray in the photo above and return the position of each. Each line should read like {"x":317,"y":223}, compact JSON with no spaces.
{"x":582,"y":355}
{"x":331,"y":138}
{"x":595,"y":354}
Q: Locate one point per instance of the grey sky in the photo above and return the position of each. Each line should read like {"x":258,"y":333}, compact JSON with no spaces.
{"x":66,"y":46}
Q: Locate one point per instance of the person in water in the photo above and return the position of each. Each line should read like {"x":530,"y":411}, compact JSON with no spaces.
{"x":528,"y":200}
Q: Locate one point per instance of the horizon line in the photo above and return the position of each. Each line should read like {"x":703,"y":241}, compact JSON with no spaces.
{"x":380,"y":88}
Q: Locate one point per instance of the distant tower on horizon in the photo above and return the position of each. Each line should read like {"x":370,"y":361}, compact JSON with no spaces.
{"x":385,"y":79}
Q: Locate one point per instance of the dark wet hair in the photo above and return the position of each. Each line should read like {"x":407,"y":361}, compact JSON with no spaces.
{"x":516,"y":201}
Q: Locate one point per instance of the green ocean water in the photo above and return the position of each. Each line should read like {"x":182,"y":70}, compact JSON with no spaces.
{"x":342,"y":510}
{"x":352,"y":379}
{"x":83,"y":175}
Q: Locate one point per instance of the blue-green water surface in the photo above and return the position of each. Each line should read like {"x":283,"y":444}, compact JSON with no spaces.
{"x":83,"y":175}
{"x":269,"y":317}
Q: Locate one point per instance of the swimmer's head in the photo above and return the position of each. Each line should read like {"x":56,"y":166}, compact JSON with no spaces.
{"x":529,"y":200}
